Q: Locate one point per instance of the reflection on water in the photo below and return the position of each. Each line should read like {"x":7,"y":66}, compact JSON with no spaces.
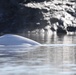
{"x":38,"y":61}
{"x":52,"y":38}
{"x":42,"y":60}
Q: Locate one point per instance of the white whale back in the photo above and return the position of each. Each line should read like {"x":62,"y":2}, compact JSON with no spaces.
{"x":10,"y":39}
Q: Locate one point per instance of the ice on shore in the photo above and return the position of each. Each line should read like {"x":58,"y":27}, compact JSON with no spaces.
{"x":10,"y":39}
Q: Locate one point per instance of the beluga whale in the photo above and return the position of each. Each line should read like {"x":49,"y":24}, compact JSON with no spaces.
{"x":11,"y":39}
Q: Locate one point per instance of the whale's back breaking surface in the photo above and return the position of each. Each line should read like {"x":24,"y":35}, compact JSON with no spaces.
{"x":10,"y":39}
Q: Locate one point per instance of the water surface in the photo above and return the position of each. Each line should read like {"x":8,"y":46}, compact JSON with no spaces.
{"x":41,"y":60}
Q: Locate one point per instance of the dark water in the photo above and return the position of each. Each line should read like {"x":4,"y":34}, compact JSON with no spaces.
{"x":42,"y":60}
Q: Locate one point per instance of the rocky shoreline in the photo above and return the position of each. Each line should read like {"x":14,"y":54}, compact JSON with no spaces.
{"x":54,"y":15}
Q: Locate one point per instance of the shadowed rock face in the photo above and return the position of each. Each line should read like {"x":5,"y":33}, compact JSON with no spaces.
{"x":71,"y":29}
{"x":61,"y":31}
{"x":10,"y":39}
{"x":17,"y":16}
{"x":14,"y":19}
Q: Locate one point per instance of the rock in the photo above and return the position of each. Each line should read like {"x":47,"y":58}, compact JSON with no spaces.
{"x":17,"y":16}
{"x":60,"y":30}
